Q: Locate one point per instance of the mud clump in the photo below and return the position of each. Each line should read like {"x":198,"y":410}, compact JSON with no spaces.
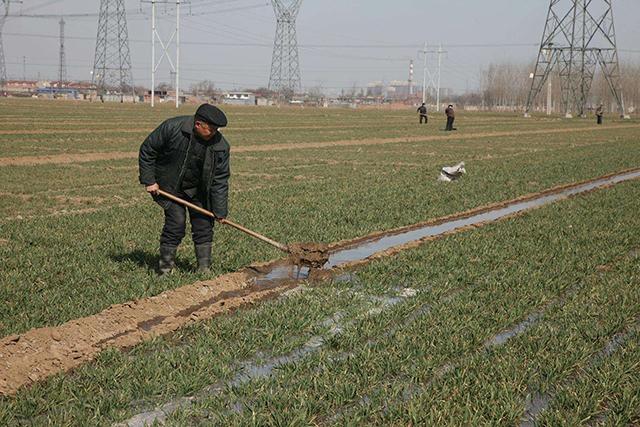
{"x":314,"y":255}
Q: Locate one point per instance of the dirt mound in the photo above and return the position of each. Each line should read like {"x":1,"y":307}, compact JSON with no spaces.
{"x":314,"y":255}
{"x":40,"y":353}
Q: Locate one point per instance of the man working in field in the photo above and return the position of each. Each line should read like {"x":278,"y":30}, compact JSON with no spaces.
{"x":422,"y":110}
{"x":599,"y":114}
{"x":187,"y":157}
{"x":451,"y":116}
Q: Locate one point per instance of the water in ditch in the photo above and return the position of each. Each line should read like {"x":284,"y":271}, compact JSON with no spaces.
{"x":367,"y":248}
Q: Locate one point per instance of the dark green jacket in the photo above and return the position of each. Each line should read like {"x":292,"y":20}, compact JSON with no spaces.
{"x":163,"y":158}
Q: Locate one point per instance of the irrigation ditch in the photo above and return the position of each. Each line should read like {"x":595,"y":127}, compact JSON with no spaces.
{"x":39,"y":353}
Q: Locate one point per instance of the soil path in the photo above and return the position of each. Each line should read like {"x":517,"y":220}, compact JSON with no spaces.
{"x":66,"y":158}
{"x":40,"y":353}
{"x":91,"y":157}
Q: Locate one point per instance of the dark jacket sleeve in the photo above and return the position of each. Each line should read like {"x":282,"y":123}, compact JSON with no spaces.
{"x":219,"y":191}
{"x":149,"y":151}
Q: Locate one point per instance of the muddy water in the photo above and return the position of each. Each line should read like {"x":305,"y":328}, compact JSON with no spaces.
{"x":367,"y":248}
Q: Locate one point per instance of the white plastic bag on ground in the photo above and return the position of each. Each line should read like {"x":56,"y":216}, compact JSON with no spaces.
{"x":451,"y":173}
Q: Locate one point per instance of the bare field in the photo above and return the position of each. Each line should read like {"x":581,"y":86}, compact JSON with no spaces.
{"x":403,"y":340}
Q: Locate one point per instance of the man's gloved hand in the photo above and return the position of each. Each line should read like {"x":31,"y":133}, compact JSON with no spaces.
{"x":152,"y":189}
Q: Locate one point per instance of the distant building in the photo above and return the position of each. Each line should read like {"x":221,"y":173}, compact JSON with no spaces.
{"x":57,"y":92}
{"x":49,"y":89}
{"x":395,"y":90}
{"x":159,"y":95}
{"x":399,"y":88}
{"x":20,"y":87}
{"x":239,"y":98}
{"x":375,"y":89}
{"x":264,"y":102}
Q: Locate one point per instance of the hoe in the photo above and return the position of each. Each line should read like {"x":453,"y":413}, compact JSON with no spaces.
{"x":309,"y":254}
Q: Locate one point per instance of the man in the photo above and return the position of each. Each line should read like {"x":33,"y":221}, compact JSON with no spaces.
{"x":423,"y":113}
{"x":187,"y":157}
{"x":599,"y":114}
{"x":451,"y":116}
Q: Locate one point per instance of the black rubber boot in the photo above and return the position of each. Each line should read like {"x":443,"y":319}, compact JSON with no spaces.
{"x":203,"y":255}
{"x":167,"y":259}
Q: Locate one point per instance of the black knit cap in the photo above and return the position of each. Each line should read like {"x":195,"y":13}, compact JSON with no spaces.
{"x":211,"y":114}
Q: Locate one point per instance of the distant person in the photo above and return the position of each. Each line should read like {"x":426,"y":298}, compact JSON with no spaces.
{"x":451,"y":116}
{"x":187,"y":157}
{"x":423,"y":113}
{"x":599,"y":114}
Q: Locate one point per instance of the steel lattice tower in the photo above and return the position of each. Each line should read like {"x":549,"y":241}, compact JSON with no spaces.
{"x":578,"y":35}
{"x":62,"y":67}
{"x":3,"y":67}
{"x":112,"y":64}
{"x":285,"y":65}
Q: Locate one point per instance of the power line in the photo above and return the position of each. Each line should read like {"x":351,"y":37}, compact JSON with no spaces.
{"x":66,"y":15}
{"x":48,"y":3}
{"x":302,"y":46}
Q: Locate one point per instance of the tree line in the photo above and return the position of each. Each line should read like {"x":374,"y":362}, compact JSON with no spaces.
{"x":505,"y":87}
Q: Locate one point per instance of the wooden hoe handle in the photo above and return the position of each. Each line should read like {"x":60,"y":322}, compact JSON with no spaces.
{"x":251,"y":233}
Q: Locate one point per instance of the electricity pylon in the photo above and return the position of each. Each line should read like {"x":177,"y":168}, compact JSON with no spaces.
{"x":112,"y":64}
{"x":579,"y":35}
{"x":62,"y":67}
{"x":3,"y":67}
{"x":285,"y":65}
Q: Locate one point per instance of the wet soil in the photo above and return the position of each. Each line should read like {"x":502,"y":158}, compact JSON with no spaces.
{"x":40,"y":353}
{"x":313,"y":255}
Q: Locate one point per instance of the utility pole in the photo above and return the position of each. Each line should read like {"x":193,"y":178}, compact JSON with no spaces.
{"x":549,"y":103}
{"x":548,"y":54}
{"x":579,"y":35}
{"x":24,"y":68}
{"x":424,"y":74}
{"x":177,"y":53}
{"x":440,"y":52}
{"x":166,"y":47}
{"x":153,"y":53}
{"x":411,"y":78}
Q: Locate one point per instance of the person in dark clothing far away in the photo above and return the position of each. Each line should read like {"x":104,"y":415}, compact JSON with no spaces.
{"x":186,"y":156}
{"x":599,"y":114}
{"x":423,"y":113}
{"x":451,"y":116}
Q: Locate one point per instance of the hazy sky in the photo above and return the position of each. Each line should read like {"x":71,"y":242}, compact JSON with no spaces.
{"x":342,"y":42}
